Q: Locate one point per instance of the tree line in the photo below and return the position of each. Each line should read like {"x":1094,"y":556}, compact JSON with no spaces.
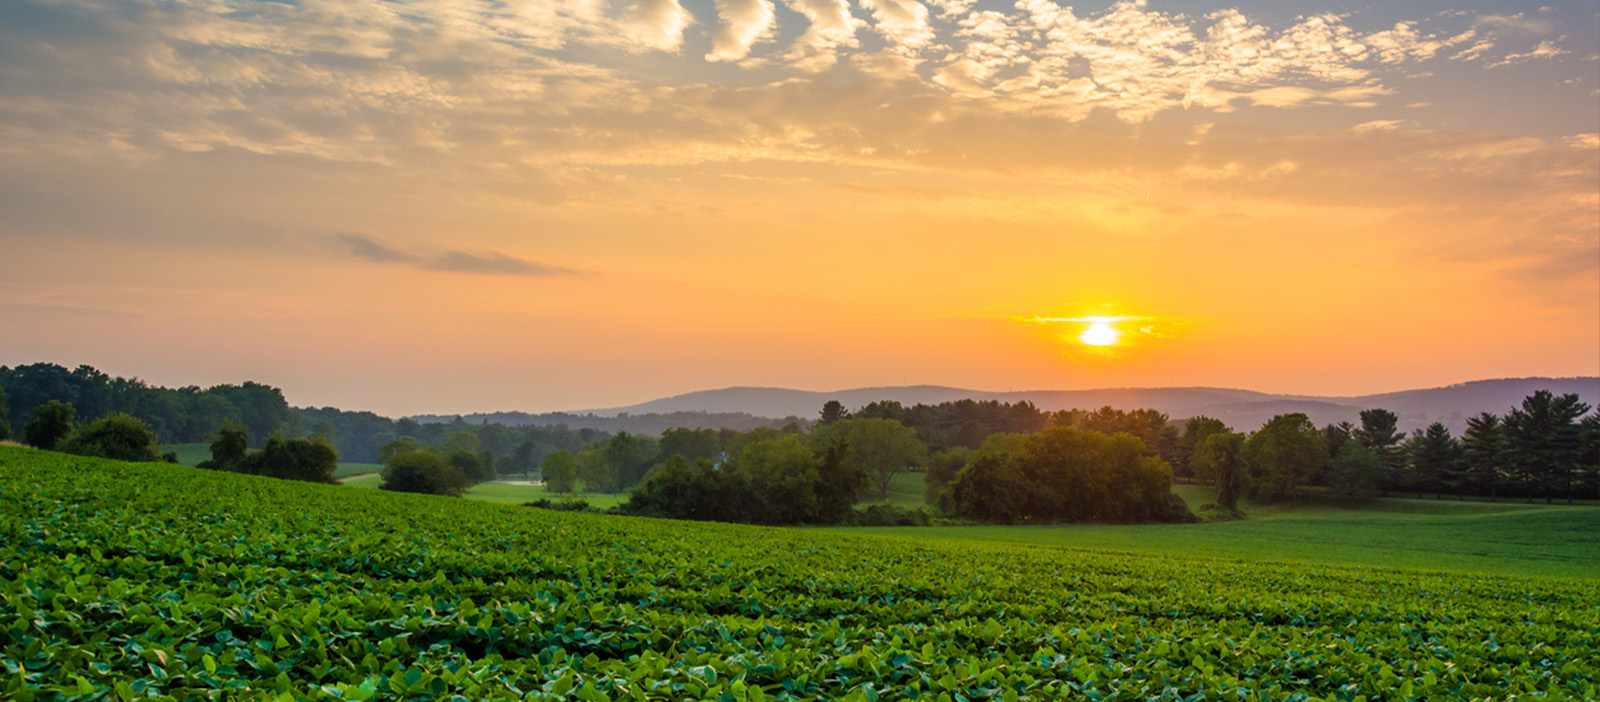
{"x":185,"y":415}
{"x":192,"y":415}
{"x":1548,"y":447}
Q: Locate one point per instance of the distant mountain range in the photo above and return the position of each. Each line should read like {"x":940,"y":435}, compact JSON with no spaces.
{"x":1241,"y":409}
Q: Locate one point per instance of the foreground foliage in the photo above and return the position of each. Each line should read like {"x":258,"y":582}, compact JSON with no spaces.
{"x":121,"y":580}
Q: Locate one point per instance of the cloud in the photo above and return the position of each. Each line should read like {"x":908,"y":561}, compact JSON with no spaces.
{"x":903,"y":22}
{"x":832,"y":27}
{"x":1545,"y":50}
{"x":658,"y":24}
{"x":744,"y":22}
{"x":370,"y":248}
{"x":494,"y":263}
{"x":1519,"y":23}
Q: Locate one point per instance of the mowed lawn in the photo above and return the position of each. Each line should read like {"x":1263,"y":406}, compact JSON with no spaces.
{"x":1506,"y":538}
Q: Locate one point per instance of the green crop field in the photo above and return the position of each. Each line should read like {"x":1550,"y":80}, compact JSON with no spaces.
{"x":152,"y":581}
{"x":1507,"y":538}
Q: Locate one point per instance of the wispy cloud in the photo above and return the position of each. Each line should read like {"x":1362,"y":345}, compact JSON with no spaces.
{"x":366,"y":247}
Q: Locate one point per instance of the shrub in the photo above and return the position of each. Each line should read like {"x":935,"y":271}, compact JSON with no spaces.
{"x":116,"y":435}
{"x":52,"y":424}
{"x":310,"y":460}
{"x":423,"y":471}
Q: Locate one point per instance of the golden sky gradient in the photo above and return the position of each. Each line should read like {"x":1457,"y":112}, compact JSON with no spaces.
{"x":462,"y":205}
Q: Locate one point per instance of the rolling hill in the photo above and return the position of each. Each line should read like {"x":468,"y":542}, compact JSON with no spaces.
{"x":1242,"y":409}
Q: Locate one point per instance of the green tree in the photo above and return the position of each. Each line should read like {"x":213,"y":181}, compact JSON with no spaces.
{"x":229,"y":446}
{"x":470,"y":464}
{"x":1337,"y":435}
{"x":119,"y":436}
{"x":626,"y":461}
{"x":462,"y":440}
{"x":1589,"y":472}
{"x":404,"y":444}
{"x":692,"y":444}
{"x":1484,"y":447}
{"x":309,"y":460}
{"x":1436,"y":460}
{"x":839,"y":480}
{"x":423,"y":471}
{"x":1220,"y":460}
{"x":1380,"y":433}
{"x":1194,"y":436}
{"x":832,"y":411}
{"x":883,"y":448}
{"x":783,"y":474}
{"x":52,"y":423}
{"x":560,"y":471}
{"x":991,"y":488}
{"x":1281,"y":456}
{"x":522,"y":460}
{"x":942,"y":470}
{"x":1356,"y":470}
{"x":1545,"y":442}
{"x":5,"y":424}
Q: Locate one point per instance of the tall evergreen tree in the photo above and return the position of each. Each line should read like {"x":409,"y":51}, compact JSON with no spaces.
{"x":1436,"y":460}
{"x":832,"y":411}
{"x":1546,"y":442}
{"x":1380,"y":433}
{"x":1589,"y":471}
{"x":1484,"y":447}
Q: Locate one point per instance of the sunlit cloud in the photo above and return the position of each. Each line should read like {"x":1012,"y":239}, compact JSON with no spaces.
{"x":743,"y":23}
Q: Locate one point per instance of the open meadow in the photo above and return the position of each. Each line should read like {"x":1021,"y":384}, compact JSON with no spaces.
{"x":1504,"y":538}
{"x":165,"y":582}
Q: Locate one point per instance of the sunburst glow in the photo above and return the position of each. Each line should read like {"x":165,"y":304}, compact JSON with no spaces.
{"x":1099,"y":333}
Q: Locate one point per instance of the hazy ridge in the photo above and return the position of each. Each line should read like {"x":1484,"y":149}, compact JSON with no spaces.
{"x":739,"y":407}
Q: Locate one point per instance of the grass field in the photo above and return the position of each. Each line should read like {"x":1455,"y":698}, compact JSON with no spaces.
{"x":1474,"y":537}
{"x":189,"y":454}
{"x":192,"y":454}
{"x":905,"y":490}
{"x":508,"y":494}
{"x":505,"y":493}
{"x":135,"y":581}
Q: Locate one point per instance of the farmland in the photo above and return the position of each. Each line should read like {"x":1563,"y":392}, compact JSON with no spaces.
{"x":150,"y":580}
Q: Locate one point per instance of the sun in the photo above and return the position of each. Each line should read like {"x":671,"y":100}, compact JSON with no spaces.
{"x":1099,"y":333}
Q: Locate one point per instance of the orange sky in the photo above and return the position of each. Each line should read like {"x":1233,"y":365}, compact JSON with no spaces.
{"x":462,"y":205}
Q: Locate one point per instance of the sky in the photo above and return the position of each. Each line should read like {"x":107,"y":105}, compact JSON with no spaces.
{"x":470,"y":205}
